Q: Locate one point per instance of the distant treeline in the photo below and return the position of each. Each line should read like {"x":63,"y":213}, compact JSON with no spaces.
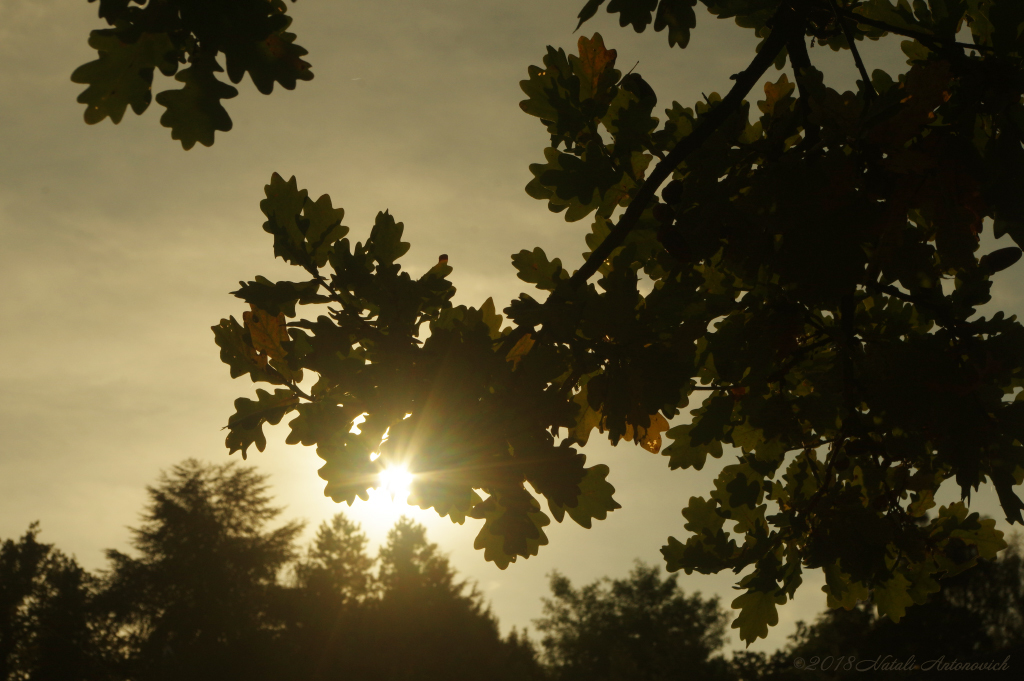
{"x":215,"y":589}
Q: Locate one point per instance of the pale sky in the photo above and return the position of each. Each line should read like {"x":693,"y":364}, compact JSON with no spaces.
{"x":118,"y":251}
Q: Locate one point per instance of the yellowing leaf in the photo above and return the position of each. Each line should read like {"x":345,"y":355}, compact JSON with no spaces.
{"x":267,"y":332}
{"x":594,"y":62}
{"x":519,"y":350}
{"x":775,"y":93}
{"x":650,"y":437}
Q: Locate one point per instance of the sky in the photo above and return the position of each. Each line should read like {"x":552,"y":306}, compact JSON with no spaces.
{"x":118,"y":251}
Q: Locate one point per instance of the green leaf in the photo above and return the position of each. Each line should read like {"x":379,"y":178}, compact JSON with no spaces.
{"x":535,"y":268}
{"x":683,"y":453}
{"x":283,"y":207}
{"x":588,"y":11}
{"x":237,"y":352}
{"x":274,"y":58}
{"x":594,"y":501}
{"x":629,"y":117}
{"x":512,"y":527}
{"x":280,"y":296}
{"x":349,"y":475}
{"x":757,"y":613}
{"x":579,"y":184}
{"x":245,"y":426}
{"x":194,"y":112}
{"x":323,"y":228}
{"x":840,"y":590}
{"x":385,"y":244}
{"x":123,"y":74}
{"x":893,"y":597}
{"x":635,"y":12}
{"x":678,"y":16}
{"x":702,"y":517}
{"x":922,"y":584}
{"x":491,"y":318}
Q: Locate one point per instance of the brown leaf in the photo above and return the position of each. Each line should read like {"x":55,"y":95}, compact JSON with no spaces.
{"x":775,"y":93}
{"x":267,"y":333}
{"x":595,"y":61}
{"x":650,"y":437}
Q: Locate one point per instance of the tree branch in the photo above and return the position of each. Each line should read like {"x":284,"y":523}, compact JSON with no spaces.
{"x":928,"y":39}
{"x":868,"y":87}
{"x":787,"y":23}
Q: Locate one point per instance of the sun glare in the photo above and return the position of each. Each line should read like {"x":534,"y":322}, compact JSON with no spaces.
{"x":395,"y":481}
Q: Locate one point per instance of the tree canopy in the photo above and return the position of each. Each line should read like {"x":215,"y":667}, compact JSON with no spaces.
{"x":198,"y":599}
{"x":639,"y":628}
{"x":213,"y":590}
{"x":976,"y":617}
{"x":808,"y":276}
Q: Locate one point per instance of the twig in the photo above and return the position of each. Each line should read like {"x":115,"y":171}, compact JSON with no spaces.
{"x":868,"y":87}
{"x":928,"y":39}
{"x":788,"y":22}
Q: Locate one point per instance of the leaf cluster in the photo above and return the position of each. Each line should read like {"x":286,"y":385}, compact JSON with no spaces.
{"x":811,"y":271}
{"x":146,"y":35}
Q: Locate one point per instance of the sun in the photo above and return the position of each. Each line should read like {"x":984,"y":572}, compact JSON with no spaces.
{"x":395,"y":481}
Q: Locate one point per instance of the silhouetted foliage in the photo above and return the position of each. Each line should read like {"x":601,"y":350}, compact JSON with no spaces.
{"x":203,"y":598}
{"x":642,"y":628}
{"x":336,"y":565}
{"x":413,"y":621}
{"x":805,"y":265}
{"x":146,"y":35}
{"x":976,"y":616}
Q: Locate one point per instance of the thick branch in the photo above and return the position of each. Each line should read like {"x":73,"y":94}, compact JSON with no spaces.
{"x":788,"y":22}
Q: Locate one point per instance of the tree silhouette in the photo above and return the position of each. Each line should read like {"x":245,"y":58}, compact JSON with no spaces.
{"x":336,"y":565}
{"x":641,"y":628}
{"x":812,"y":274}
{"x":335,"y":589}
{"x":197,"y":601}
{"x":420,"y":623}
{"x":51,"y":628}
